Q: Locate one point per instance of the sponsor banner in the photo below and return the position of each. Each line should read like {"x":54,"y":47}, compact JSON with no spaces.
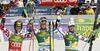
{"x":42,"y":10}
{"x":44,"y":48}
{"x":9,"y":24}
{"x":15,"y":46}
{"x":38,"y":11}
{"x":59,"y":1}
{"x":85,"y":20}
{"x":19,"y":10}
{"x":85,"y":29}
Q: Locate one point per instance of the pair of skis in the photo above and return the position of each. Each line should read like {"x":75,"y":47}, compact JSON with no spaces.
{"x":34,"y":41}
{"x":95,"y":27}
{"x":9,"y":9}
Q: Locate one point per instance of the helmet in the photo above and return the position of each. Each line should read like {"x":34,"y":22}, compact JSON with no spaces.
{"x":43,"y":20}
{"x":31,"y":21}
{"x":18,"y":22}
{"x":71,"y":22}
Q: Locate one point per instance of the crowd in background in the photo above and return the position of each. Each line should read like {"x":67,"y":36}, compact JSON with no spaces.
{"x":65,"y":10}
{"x":24,"y":3}
{"x":73,"y":10}
{"x":20,"y":3}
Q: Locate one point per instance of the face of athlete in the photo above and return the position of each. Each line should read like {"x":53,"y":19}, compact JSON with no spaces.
{"x":71,"y":28}
{"x":43,"y":25}
{"x":30,"y":25}
{"x":18,"y":28}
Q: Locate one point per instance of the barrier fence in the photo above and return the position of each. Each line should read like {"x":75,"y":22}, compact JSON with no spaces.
{"x":17,"y":11}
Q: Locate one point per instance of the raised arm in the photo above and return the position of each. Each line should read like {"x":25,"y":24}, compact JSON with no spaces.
{"x":4,"y":29}
{"x":58,"y":28}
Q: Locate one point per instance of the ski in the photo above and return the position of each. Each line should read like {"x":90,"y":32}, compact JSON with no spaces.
{"x":35,"y":45}
{"x":25,"y":14}
{"x":33,"y":30}
{"x":8,"y":9}
{"x":96,"y":26}
{"x":51,"y":28}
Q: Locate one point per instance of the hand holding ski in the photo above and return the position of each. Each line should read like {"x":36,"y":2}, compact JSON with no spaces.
{"x":8,"y":9}
{"x":51,"y":27}
{"x":3,"y":22}
{"x":95,"y":27}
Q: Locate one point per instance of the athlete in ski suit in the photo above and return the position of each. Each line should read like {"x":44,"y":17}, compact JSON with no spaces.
{"x":43,"y":35}
{"x":32,"y":30}
{"x":71,"y":37}
{"x":15,"y":38}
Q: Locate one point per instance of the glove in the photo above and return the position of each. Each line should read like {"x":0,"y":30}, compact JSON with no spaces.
{"x":92,"y":38}
{"x":3,"y":22}
{"x":59,"y":18}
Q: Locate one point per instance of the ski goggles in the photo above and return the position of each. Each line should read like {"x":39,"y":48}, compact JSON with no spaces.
{"x":43,"y":21}
{"x":18,"y":26}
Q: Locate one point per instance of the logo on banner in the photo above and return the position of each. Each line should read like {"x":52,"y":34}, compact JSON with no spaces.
{"x":60,"y":1}
{"x":99,"y":35}
{"x":46,"y":0}
{"x":80,"y":20}
{"x":13,"y":10}
{"x":16,"y":44}
{"x":72,"y":0}
{"x":45,"y":49}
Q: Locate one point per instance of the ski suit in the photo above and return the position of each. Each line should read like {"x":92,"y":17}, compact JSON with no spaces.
{"x":71,"y":39}
{"x":15,"y":39}
{"x":36,"y":45}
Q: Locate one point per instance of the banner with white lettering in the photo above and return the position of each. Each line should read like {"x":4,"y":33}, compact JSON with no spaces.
{"x":59,"y":2}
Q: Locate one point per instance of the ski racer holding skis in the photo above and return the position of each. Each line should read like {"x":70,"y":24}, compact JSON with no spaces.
{"x":71,"y":37}
{"x":30,"y":29}
{"x":42,"y":35}
{"x":15,"y":38}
